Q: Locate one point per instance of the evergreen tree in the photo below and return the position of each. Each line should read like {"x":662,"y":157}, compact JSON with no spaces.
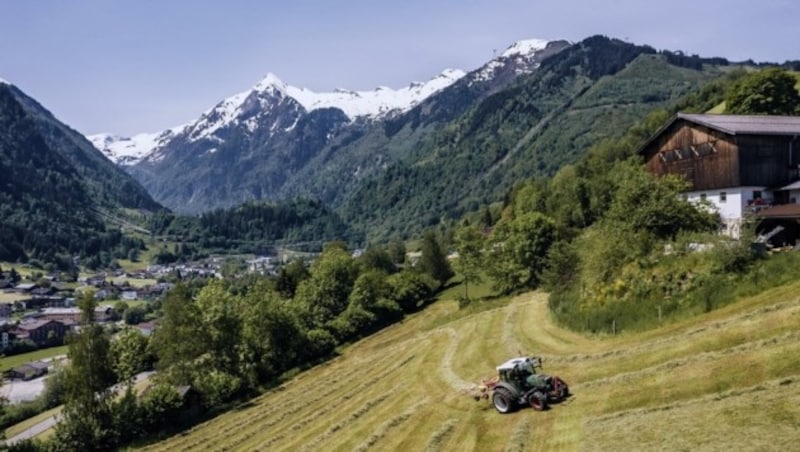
{"x":469,"y":245}
{"x":433,"y":260}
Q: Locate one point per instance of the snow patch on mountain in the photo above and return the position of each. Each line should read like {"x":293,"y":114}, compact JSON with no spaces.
{"x":2,"y":80}
{"x":525,"y":47}
{"x":378,"y":102}
{"x":131,"y":150}
{"x":519,"y":52}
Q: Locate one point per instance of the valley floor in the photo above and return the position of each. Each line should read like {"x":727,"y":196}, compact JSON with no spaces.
{"x":726,"y":380}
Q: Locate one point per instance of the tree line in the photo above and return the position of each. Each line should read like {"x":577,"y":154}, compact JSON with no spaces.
{"x":229,"y":339}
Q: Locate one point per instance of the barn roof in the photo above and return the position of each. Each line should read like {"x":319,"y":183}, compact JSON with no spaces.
{"x":747,"y":124}
{"x":736,"y":125}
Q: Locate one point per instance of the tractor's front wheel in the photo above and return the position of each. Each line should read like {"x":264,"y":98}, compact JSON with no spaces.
{"x":503,"y":401}
{"x":538,"y":400}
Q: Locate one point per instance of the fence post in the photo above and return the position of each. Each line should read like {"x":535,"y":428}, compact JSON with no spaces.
{"x":614,"y":327}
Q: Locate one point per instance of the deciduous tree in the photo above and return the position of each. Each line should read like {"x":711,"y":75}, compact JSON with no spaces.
{"x":768,"y":92}
{"x":86,"y":423}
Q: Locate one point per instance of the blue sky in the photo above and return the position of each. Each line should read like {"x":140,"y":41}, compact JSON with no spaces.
{"x":143,"y":66}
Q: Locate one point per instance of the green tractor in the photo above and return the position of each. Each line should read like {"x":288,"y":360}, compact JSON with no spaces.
{"x":518,"y":384}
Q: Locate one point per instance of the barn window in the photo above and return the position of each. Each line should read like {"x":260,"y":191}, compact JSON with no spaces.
{"x":704,"y":149}
{"x":723,"y":196}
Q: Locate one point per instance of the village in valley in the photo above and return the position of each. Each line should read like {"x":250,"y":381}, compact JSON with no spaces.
{"x":38,"y":310}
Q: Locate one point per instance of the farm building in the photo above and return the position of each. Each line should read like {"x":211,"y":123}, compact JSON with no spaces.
{"x":42,"y":332}
{"x":28,"y":371}
{"x":740,"y":164}
{"x":101,"y":314}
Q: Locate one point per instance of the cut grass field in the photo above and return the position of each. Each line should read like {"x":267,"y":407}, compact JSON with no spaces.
{"x":729,"y":379}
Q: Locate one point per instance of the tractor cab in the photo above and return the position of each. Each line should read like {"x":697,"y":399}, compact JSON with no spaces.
{"x":521,"y":372}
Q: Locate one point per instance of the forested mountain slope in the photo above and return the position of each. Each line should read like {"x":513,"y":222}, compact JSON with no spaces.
{"x":53,"y":182}
{"x":594,"y":90}
{"x":106,"y":183}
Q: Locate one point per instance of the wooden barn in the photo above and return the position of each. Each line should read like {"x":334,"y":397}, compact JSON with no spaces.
{"x":740,"y":164}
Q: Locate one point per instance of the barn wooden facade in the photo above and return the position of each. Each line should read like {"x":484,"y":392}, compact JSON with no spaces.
{"x":722,"y":151}
{"x":738,"y":163}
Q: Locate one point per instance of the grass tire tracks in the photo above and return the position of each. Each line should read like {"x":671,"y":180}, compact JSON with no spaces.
{"x":513,"y":346}
{"x":447,"y":371}
{"x":437,"y":440}
{"x":354,"y":416}
{"x":787,"y":306}
{"x":792,"y":382}
{"x":518,"y":441}
{"x":329,"y":407}
{"x":673,"y":364}
{"x":392,"y":423}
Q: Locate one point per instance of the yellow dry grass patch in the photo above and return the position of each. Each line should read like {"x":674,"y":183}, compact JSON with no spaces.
{"x":725,"y":380}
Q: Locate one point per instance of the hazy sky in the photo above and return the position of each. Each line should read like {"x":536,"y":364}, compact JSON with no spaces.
{"x":143,"y":66}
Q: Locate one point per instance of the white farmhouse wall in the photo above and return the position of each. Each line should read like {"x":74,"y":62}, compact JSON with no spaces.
{"x":731,"y":204}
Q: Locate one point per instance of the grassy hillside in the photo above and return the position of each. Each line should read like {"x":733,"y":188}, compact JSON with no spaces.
{"x":730,"y":378}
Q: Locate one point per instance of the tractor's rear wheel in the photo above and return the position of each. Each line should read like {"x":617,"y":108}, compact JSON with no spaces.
{"x":538,"y":400}
{"x":503,"y":401}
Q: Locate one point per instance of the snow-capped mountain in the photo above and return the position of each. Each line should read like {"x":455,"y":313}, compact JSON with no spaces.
{"x":524,"y":56}
{"x":4,"y":81}
{"x":275,"y":140}
{"x":376,"y":104}
{"x":244,"y":108}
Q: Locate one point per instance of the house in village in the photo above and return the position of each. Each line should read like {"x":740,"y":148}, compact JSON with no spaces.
{"x":101,"y":314}
{"x":43,"y":331}
{"x":129,"y":295}
{"x":25,"y":288}
{"x":740,"y":164}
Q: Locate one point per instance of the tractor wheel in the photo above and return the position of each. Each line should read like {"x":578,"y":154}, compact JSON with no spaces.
{"x":503,"y":401}
{"x":538,"y":400}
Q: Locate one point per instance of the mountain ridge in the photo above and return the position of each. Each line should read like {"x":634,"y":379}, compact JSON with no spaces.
{"x":54,"y":183}
{"x":264,"y":144}
{"x":377,"y":103}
